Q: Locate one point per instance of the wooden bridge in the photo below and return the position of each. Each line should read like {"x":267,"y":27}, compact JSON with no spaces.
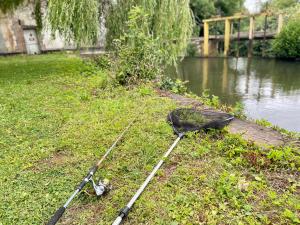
{"x":250,"y":35}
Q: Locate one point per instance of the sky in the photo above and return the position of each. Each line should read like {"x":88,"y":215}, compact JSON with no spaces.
{"x":253,"y":5}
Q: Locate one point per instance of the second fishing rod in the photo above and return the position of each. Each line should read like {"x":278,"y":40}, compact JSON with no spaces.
{"x":100,"y":188}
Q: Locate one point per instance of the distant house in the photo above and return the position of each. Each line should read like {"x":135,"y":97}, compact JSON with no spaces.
{"x":18,"y":33}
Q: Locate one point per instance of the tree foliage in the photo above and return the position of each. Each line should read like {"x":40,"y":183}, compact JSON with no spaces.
{"x":275,"y":5}
{"x":75,"y":20}
{"x":146,"y":40}
{"x":282,"y":4}
{"x":38,"y":15}
{"x":206,"y":8}
{"x":145,"y":35}
{"x":138,"y":54}
{"x":229,"y":7}
{"x":202,"y":8}
{"x":287,"y":43}
{"x":170,"y":22}
{"x":8,"y":5}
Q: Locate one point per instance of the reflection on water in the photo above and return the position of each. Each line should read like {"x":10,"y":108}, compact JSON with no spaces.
{"x":269,"y":89}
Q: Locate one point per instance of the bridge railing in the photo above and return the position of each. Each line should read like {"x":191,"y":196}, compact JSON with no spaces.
{"x":251,"y":32}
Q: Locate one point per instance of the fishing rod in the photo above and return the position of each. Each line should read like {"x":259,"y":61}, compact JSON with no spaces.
{"x":100,"y":188}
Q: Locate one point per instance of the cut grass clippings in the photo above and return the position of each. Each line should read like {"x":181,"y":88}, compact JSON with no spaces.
{"x":56,"y":121}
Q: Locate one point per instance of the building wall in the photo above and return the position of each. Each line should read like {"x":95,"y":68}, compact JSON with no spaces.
{"x":11,"y":29}
{"x":2,"y":44}
{"x":12,"y":36}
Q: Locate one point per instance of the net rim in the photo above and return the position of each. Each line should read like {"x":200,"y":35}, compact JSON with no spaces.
{"x":221,"y":119}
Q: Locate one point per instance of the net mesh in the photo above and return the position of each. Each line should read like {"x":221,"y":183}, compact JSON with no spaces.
{"x":187,"y":119}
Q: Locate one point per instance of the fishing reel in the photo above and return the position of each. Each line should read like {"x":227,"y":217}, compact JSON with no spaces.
{"x":101,"y":187}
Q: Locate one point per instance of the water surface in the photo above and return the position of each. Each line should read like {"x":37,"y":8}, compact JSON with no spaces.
{"x":268,"y":88}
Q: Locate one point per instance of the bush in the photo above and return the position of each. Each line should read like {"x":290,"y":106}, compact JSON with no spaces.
{"x":176,"y":86}
{"x":103,"y":62}
{"x":138,"y":55}
{"x":287,"y":43}
{"x":191,"y":50}
{"x":263,"y":48}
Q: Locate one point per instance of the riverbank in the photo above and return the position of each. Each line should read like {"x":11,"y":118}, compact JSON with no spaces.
{"x":268,"y":89}
{"x":58,"y":116}
{"x":251,"y":131}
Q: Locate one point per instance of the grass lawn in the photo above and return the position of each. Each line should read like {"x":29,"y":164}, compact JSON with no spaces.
{"x":56,"y":120}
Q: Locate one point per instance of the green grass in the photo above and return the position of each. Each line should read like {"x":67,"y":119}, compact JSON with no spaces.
{"x":56,"y":120}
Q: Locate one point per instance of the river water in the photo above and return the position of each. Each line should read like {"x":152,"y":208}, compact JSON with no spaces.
{"x":268,"y":88}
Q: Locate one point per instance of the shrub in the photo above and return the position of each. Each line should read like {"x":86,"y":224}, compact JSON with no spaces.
{"x":92,"y":67}
{"x":287,"y":43}
{"x":239,"y":110}
{"x":263,"y":48}
{"x":177,"y":86}
{"x":210,"y":100}
{"x":191,"y":50}
{"x":138,"y":55}
{"x":103,"y":62}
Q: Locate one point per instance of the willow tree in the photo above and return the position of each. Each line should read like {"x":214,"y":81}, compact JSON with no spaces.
{"x":171,"y":21}
{"x":75,"y":20}
{"x":9,"y":5}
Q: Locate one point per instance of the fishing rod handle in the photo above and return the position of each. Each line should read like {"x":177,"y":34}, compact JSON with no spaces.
{"x":62,"y":209}
{"x":56,"y":216}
